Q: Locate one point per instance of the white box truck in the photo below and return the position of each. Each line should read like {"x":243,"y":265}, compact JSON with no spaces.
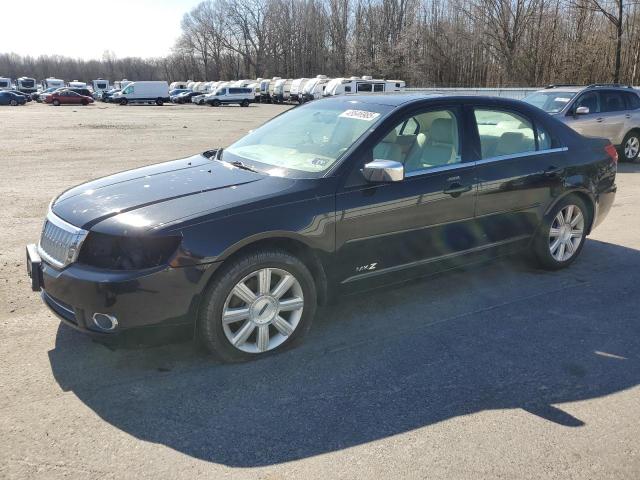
{"x":143,"y":92}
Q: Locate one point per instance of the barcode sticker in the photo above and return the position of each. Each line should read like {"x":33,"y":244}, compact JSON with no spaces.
{"x":360,"y":115}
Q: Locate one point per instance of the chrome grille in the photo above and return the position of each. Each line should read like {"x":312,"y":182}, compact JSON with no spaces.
{"x":60,"y":241}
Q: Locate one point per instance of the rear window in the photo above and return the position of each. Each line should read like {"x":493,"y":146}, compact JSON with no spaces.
{"x":633,"y":101}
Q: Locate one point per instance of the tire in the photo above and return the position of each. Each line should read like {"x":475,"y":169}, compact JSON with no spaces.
{"x":244,"y":103}
{"x":56,"y":103}
{"x":13,"y":103}
{"x":123,"y":101}
{"x":215,"y":103}
{"x":630,"y":149}
{"x":219,"y":298}
{"x":84,"y":103}
{"x":560,"y":248}
{"x":159,"y":102}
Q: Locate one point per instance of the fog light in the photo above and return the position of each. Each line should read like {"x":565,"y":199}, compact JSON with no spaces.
{"x":105,"y":322}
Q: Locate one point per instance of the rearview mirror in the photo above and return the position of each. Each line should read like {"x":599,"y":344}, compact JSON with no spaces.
{"x":582,"y":110}
{"x":383,"y":171}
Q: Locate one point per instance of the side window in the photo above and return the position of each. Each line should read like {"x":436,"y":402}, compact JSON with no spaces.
{"x":424,"y":141}
{"x":364,"y":87}
{"x":347,"y":89}
{"x":503,"y":133}
{"x":589,"y":100}
{"x":544,"y":139}
{"x":633,"y":101}
{"x":611,"y":102}
{"x":378,"y":87}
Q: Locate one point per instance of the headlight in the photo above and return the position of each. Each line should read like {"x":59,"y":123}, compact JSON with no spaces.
{"x":127,"y":253}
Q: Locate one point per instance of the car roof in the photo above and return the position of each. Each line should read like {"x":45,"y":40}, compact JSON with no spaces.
{"x":402,"y":99}
{"x":580,"y":88}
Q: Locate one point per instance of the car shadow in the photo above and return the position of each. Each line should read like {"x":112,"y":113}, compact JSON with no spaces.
{"x":495,"y":336}
{"x":626,"y":167}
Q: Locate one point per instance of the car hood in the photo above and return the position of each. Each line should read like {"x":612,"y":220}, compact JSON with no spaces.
{"x":158,"y":195}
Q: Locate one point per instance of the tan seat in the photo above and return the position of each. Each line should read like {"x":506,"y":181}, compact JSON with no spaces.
{"x":513,"y":142}
{"x":438,"y":150}
{"x":388,"y":149}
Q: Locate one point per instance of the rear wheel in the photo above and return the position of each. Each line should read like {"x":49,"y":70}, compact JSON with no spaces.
{"x":159,"y":102}
{"x":14,"y":103}
{"x":561,"y":235}
{"x":631,"y":146}
{"x":215,"y":103}
{"x":244,"y":103}
{"x":260,"y":303}
{"x":56,"y":103}
{"x":123,"y":101}
{"x":84,"y":103}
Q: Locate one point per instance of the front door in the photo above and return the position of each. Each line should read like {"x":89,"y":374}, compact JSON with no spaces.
{"x":401,"y":226}
{"x":588,"y":124}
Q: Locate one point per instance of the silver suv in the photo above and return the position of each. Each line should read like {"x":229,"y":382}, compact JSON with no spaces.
{"x":600,"y":110}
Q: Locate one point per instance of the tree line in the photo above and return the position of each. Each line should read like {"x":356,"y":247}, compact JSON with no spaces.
{"x":446,"y":43}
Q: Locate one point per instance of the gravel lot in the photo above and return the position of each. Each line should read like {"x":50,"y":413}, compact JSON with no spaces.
{"x":500,"y":371}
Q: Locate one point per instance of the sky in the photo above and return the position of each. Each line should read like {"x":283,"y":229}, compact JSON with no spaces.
{"x":142,"y":28}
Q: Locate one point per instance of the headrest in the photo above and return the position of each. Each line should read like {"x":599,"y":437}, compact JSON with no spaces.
{"x":510,"y":142}
{"x":441,"y":130}
{"x":391,"y":137}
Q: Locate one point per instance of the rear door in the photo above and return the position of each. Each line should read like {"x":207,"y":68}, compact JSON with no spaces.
{"x":613,"y":112}
{"x":521,"y":166}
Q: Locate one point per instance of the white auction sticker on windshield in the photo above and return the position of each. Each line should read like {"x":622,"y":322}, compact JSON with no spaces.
{"x":562,"y":99}
{"x":360,"y":115}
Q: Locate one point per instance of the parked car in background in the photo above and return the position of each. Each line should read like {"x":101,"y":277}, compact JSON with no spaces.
{"x":178,"y":91}
{"x":156,"y":92}
{"x":68,"y":97}
{"x":243,"y":96}
{"x":598,"y":110}
{"x":39,"y":96}
{"x":11,"y":98}
{"x":85,"y":92}
{"x":239,"y":246}
{"x":106,"y":96}
{"x":26,"y":96}
{"x":185,"y":97}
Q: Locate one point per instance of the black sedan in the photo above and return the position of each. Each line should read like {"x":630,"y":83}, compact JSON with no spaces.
{"x":341,"y":194}
{"x":10,"y":98}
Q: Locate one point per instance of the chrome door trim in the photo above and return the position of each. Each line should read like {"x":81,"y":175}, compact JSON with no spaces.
{"x":443,"y":168}
{"x":521,"y":155}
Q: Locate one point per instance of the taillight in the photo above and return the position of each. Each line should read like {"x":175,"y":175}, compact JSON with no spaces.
{"x":612,"y":152}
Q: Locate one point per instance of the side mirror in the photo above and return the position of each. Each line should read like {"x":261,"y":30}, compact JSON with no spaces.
{"x":383,"y":171}
{"x":582,"y":110}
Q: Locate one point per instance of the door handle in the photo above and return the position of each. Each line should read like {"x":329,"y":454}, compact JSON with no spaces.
{"x":627,"y":116}
{"x":455,"y":189}
{"x":599,"y":119}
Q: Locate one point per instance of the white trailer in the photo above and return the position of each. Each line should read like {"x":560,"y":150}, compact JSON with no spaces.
{"x":178,"y":85}
{"x":314,"y":88}
{"x":77,"y":84}
{"x":5,"y":83}
{"x":297,"y":86}
{"x":51,"y":83}
{"x":281,"y":90}
{"x":364,"y":85}
{"x":100,"y":85}
{"x":143,"y":92}
{"x":26,"y":85}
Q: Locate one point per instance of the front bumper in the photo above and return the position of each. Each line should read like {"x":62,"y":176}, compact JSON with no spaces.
{"x":161,"y":297}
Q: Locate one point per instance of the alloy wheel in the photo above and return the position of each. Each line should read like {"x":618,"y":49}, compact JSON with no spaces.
{"x":566,"y":233}
{"x":631,"y":148}
{"x":262,"y":310}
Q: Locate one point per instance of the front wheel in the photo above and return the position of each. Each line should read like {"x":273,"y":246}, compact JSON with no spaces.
{"x":561,"y":235}
{"x":159,"y":102}
{"x":259,"y":304}
{"x":631,"y":146}
{"x":56,"y":103}
{"x":124,"y":101}
{"x":244,"y":103}
{"x":215,"y":103}
{"x":14,"y":103}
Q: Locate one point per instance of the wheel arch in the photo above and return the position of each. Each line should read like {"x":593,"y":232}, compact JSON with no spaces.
{"x":586,"y":197}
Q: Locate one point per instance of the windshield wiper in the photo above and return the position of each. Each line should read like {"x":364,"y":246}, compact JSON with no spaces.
{"x":239,"y":164}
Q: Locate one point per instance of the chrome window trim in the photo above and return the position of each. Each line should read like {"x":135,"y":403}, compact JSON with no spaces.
{"x":520,"y":155}
{"x":499,"y":158}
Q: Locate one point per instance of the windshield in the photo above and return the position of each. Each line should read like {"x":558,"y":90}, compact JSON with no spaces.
{"x":306,"y":141}
{"x":552,"y":101}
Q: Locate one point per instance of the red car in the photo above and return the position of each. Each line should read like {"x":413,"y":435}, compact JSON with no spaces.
{"x":67,"y":97}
